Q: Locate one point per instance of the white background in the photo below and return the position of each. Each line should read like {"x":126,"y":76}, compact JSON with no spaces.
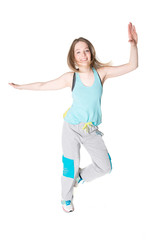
{"x":35,"y":40}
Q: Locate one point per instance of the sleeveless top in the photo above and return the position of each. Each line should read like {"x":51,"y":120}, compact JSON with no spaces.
{"x":86,"y":106}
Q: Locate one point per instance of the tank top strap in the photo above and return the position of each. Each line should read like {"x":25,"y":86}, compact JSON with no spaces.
{"x":77,"y":77}
{"x":97,"y":76}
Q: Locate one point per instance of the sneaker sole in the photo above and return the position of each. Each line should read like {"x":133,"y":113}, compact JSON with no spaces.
{"x":67,"y":211}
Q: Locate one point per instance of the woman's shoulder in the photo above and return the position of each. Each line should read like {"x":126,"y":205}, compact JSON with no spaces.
{"x":69,"y":78}
{"x":101,"y":73}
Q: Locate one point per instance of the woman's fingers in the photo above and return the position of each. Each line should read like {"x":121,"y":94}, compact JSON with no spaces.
{"x":130,"y":31}
{"x":14,"y":85}
{"x":135,"y":37}
{"x":132,"y":35}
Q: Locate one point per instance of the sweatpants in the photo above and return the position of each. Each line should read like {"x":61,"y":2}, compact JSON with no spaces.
{"x":91,"y":138}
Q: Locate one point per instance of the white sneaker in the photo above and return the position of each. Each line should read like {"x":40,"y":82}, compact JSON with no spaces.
{"x":67,"y":206}
{"x":78,"y":180}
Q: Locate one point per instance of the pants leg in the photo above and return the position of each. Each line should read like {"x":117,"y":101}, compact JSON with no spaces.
{"x":72,"y":138}
{"x":101,"y":165}
{"x":71,"y":157}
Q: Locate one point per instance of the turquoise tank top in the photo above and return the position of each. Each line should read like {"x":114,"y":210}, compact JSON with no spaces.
{"x":86,"y":106}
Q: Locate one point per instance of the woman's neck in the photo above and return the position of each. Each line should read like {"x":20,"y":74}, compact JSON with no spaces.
{"x":84,"y":69}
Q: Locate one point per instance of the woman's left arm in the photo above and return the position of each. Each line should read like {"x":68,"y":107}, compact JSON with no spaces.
{"x":114,"y":71}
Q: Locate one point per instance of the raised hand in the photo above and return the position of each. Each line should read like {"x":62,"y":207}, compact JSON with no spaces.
{"x":132,"y":34}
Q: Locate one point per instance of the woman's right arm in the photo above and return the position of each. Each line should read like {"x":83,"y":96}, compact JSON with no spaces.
{"x":62,"y":82}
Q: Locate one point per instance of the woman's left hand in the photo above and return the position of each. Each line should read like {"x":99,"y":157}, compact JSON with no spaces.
{"x":132,"y":34}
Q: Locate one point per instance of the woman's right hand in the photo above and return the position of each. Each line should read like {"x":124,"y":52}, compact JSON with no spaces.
{"x":63,"y":81}
{"x":15,"y":86}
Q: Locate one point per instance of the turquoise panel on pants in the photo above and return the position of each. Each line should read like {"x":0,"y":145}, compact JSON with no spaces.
{"x":68,"y":167}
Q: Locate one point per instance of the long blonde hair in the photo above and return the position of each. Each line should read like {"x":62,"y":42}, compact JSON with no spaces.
{"x":94,"y":62}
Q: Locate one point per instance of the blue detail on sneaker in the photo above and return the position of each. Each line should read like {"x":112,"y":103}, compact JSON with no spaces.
{"x":66,"y":202}
{"x":79,"y":179}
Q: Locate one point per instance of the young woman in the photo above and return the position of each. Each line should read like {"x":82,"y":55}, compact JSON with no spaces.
{"x":81,"y":120}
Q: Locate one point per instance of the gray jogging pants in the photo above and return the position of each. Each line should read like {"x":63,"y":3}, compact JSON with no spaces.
{"x":91,"y":138}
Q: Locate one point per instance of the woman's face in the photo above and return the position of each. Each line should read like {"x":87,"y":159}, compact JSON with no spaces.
{"x":82,"y":54}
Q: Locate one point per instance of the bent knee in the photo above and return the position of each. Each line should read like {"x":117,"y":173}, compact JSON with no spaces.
{"x":108,"y":167}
